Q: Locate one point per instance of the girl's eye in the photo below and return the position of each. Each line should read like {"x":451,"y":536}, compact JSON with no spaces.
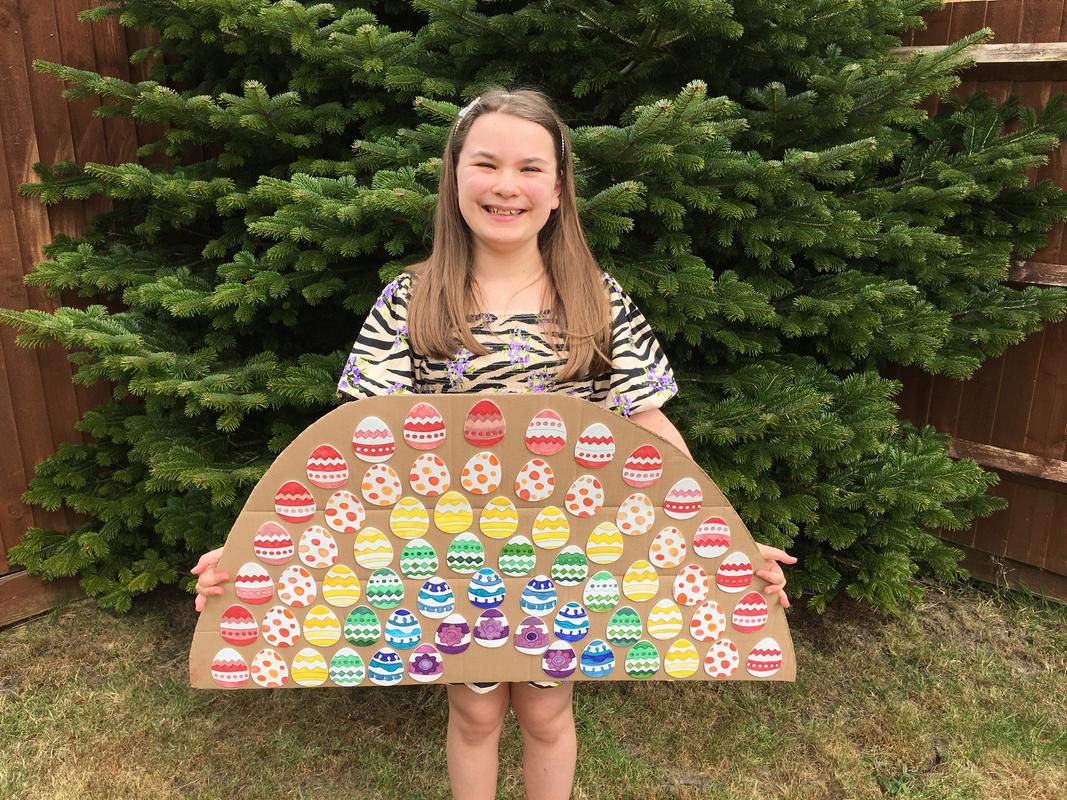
{"x":483,"y":164}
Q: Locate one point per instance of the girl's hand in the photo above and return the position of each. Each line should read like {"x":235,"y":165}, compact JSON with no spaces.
{"x":772,"y":573}
{"x":207,"y":583}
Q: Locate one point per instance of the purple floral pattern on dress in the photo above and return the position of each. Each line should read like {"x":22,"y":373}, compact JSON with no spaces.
{"x":457,"y":367}
{"x":540,"y":381}
{"x":519,"y":349}
{"x":661,"y":381}
{"x":352,"y":375}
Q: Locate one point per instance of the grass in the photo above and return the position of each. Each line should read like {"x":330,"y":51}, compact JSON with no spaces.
{"x":965,"y":697}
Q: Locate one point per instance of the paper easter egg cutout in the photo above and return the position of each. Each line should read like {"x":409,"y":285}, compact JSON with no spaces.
{"x":365,"y":558}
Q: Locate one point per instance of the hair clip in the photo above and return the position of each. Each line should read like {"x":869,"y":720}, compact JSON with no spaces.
{"x":463,"y":111}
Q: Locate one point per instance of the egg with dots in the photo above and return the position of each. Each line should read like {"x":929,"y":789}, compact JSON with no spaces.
{"x":372,"y":441}
{"x":668,"y":548}
{"x":598,"y":659}
{"x":531,"y":636}
{"x":517,"y":557}
{"x":344,"y":512}
{"x":595,"y":447}
{"x":425,"y":664}
{"x":418,"y":559}
{"x":570,"y":566}
{"x":535,"y":481}
{"x":321,"y":626}
{"x":691,"y":585}
{"x":269,"y":669}
{"x":712,"y":538}
{"x":317,"y":548}
{"x":643,"y":467}
{"x":683,"y":500}
{"x":326,"y":467}
{"x":408,"y":519}
{"x":453,"y":513}
{"x":229,"y":669}
{"x":280,"y":627}
{"x":722,"y":659}
{"x":546,"y":434}
{"x":347,"y":668}
{"x":750,"y":613}
{"x":734,"y":573}
{"x":681,"y":659}
{"x":624,"y":628}
{"x":272,"y":544}
{"x":296,"y":587}
{"x":585,"y":498}
{"x":465,"y":554}
{"x":601,"y":592}
{"x":605,"y":544}
{"x":309,"y":668}
{"x":341,"y":587}
{"x":424,"y":427}
{"x":362,"y":627}
{"x":765,"y":659}
{"x":642,"y":660}
{"x":484,"y":425}
{"x":499,"y":519}
{"x":635,"y":515}
{"x":380,"y":485}
{"x":372,"y":549}
{"x":238,"y":626}
{"x":293,"y":502}
{"x":550,"y":528}
{"x":253,"y":584}
{"x":429,"y":476}
{"x":481,"y":474}
{"x":385,"y":590}
{"x":708,"y":622}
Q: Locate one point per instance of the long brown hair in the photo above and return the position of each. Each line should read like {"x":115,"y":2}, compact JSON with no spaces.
{"x":442,"y":298}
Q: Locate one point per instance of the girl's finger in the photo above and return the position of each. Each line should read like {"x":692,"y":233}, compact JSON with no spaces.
{"x":778,"y":554}
{"x":199,"y":603}
{"x":784,"y":600}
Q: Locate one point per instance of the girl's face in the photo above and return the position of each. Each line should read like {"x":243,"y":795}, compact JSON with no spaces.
{"x":508,"y":164}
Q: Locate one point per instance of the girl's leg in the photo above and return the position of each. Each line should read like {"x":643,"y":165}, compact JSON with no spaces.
{"x":474,"y":723}
{"x":550,"y":745}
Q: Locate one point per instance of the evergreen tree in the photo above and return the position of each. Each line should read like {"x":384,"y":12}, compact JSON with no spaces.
{"x":755,"y":174}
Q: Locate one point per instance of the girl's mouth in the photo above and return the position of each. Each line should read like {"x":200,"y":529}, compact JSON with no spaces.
{"x":503,"y":215}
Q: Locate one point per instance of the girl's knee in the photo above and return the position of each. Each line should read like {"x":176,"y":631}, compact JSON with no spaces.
{"x":477,"y":717}
{"x":546,"y":718}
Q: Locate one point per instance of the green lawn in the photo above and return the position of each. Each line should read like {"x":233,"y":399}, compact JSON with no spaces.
{"x":966,"y":697}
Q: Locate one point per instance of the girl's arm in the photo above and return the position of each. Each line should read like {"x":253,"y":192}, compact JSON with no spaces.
{"x":656,"y":421}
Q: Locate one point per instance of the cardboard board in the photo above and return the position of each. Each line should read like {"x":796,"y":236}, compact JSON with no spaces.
{"x":420,"y":538}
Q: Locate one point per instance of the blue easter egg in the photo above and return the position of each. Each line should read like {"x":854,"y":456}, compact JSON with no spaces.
{"x":597,"y":659}
{"x":571,"y":623}
{"x":386,"y":667}
{"x":539,"y":596}
{"x":402,"y":629}
{"x":486,"y":589}
{"x":435,"y":599}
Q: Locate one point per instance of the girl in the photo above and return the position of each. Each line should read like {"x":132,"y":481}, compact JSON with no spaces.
{"x":511,"y":299}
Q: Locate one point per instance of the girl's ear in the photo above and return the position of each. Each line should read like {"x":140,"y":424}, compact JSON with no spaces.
{"x":556,"y":193}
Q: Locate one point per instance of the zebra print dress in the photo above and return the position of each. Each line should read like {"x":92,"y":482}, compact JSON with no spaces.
{"x":520,"y":358}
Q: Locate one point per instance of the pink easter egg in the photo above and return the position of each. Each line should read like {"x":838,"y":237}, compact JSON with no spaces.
{"x":751,"y":612}
{"x":595,"y":446}
{"x":253,"y":584}
{"x":272,"y":544}
{"x":293,"y":502}
{"x":765,"y":658}
{"x":238,"y":626}
{"x":228,"y":668}
{"x":546,"y":434}
{"x":734,"y":573}
{"x":424,"y":427}
{"x":484,"y":425}
{"x":643,"y":467}
{"x":372,"y":441}
{"x":326,"y":467}
{"x":712,"y":538}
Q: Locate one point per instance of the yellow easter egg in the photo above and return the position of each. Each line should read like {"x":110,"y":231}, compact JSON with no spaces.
{"x":309,"y":668}
{"x":641,"y":581}
{"x":321,"y":627}
{"x":453,"y":513}
{"x":664,"y":620}
{"x":604,"y":545}
{"x":341,"y":587}
{"x":408,"y":519}
{"x":550,"y":528}
{"x":372,"y":549}
{"x":499,"y":519}
{"x":682,"y":659}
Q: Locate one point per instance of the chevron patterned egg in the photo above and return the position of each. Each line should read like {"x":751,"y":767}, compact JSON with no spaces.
{"x":605,"y":544}
{"x":538,"y":596}
{"x":641,"y":581}
{"x":424,"y":427}
{"x":228,"y":669}
{"x":402,"y":629}
{"x":465,"y":554}
{"x":722,"y":659}
{"x":484,"y":425}
{"x":453,"y":635}
{"x":279,"y":627}
{"x":269,"y":669}
{"x":326,"y":467}
{"x":408,"y":519}
{"x":535,"y":481}
{"x":546,"y":434}
{"x":238,"y":626}
{"x":491,"y":628}
{"x":386,"y":667}
{"x":372,"y":441}
{"x":571,"y":623}
{"x":667,"y":549}
{"x":486,"y":589}
{"x":681,"y":659}
{"x":734,"y":573}
{"x":418,"y":559}
{"x":624,"y":627}
{"x":683,"y":500}
{"x":317,"y":548}
{"x":595,"y":446}
{"x":481,"y":474}
{"x":691,"y":585}
{"x":597,"y":659}
{"x":425,"y":664}
{"x":712,"y":538}
{"x":453,"y":513}
{"x":293,"y":502}
{"x":372,"y":549}
{"x":765,"y":659}
{"x":344,"y":513}
{"x":347,"y":668}
{"x":642,"y":660}
{"x":643,"y":467}
{"x":436,"y":599}
{"x":341,"y":587}
{"x":517,"y":557}
{"x":380,"y":485}
{"x":708,"y":622}
{"x":499,"y":519}
{"x":253,"y":584}
{"x":362,"y":627}
{"x":601,"y":593}
{"x":531,"y":636}
{"x":321,"y":627}
{"x":272,"y":544}
{"x":750,"y":613}
{"x":385,"y":590}
{"x":558,"y":661}
{"x":636,"y":515}
{"x":309,"y":668}
{"x":585,"y":498}
{"x":296,"y":587}
{"x":550,"y":528}
{"x":664,"y":620}
{"x":429,"y":476}
{"x":570,"y":566}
